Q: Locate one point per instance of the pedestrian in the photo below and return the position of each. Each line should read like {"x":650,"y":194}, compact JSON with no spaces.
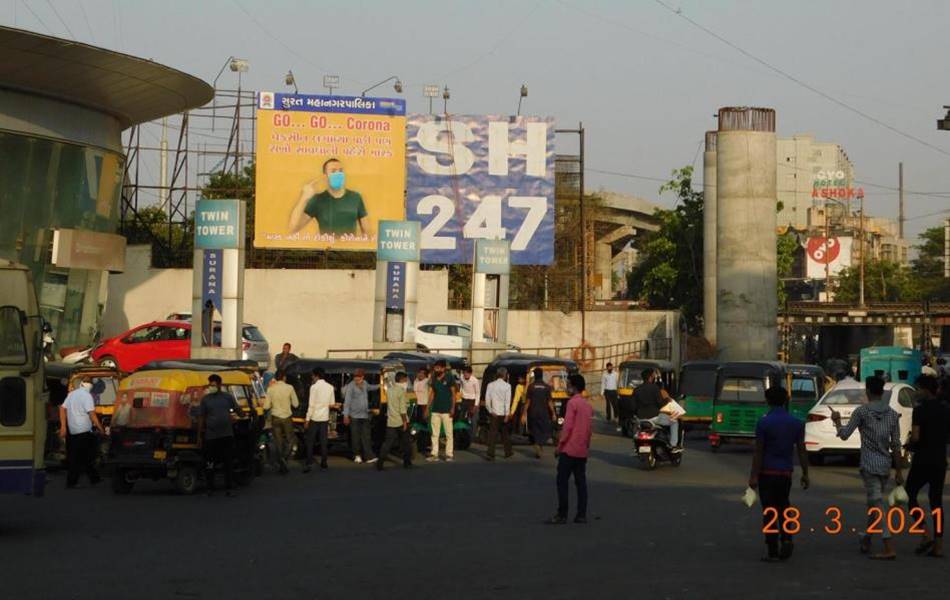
{"x":216,"y":413}
{"x":421,"y":388}
{"x":280,"y":400}
{"x":930,"y":432}
{"x":443,"y":394}
{"x":356,"y":416}
{"x":470,"y":389}
{"x":317,"y":423}
{"x":539,"y":411}
{"x":77,"y":419}
{"x":397,"y":422}
{"x":778,"y":437}
{"x":284,"y":359}
{"x":518,"y":398}
{"x":572,"y":450}
{"x":498,"y":403}
{"x":609,"y":388}
{"x":879,"y":426}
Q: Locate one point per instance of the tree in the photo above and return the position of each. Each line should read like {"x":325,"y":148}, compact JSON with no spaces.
{"x":787,"y":246}
{"x":884,"y":281}
{"x":928,"y":267}
{"x":669,"y":274}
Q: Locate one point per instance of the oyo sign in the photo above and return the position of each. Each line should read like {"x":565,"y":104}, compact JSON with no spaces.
{"x":823,"y":250}
{"x":827,"y":256}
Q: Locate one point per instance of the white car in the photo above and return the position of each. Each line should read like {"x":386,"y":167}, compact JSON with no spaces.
{"x":821,"y":437}
{"x":444,"y":337}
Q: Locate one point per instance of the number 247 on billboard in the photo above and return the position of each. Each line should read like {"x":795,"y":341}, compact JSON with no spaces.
{"x":488,"y":177}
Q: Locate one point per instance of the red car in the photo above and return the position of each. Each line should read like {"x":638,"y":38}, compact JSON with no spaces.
{"x":158,"y":340}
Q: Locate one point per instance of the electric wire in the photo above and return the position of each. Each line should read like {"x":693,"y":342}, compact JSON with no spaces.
{"x":60,"y":17}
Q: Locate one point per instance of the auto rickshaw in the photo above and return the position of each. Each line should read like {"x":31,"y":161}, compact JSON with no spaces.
{"x":891,"y":363}
{"x":631,"y":376}
{"x":740,"y":399}
{"x":556,"y":372}
{"x":415,"y":360}
{"x":63,"y":378}
{"x":338,"y":373}
{"x":805,"y":385}
{"x":697,"y":387}
{"x":154,"y":426}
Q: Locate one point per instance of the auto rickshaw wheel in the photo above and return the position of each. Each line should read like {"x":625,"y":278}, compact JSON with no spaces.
{"x":121,"y":483}
{"x":186,"y":481}
{"x":463,"y":439}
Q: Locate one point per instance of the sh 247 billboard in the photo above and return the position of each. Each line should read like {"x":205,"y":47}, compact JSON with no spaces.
{"x":487,"y":177}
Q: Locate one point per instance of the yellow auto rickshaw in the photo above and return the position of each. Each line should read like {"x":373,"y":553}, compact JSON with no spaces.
{"x":154,"y":430}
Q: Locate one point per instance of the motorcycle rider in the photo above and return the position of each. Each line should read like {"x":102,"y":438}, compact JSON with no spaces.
{"x":650,"y":401}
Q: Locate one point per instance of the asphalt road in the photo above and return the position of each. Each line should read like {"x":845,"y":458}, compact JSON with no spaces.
{"x":470,"y":529}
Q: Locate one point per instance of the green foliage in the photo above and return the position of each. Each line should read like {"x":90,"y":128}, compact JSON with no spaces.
{"x":884,"y":281}
{"x":669,"y":274}
{"x":786,"y":248}
{"x":928,"y":267}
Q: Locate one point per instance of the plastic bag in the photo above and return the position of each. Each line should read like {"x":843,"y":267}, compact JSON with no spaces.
{"x":674,"y":409}
{"x":749,"y":497}
{"x":898,"y":496}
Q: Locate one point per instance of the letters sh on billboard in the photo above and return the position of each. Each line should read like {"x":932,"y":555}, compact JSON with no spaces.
{"x":488,"y":177}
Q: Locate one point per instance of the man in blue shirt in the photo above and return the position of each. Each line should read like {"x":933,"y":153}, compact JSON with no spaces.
{"x":777,"y":436}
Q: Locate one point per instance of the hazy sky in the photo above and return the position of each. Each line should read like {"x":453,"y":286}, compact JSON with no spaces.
{"x":644,"y":82}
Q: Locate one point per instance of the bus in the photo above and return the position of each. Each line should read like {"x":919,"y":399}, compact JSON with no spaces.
{"x":22,"y":401}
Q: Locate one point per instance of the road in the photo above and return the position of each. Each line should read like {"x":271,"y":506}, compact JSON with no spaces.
{"x":470,"y":529}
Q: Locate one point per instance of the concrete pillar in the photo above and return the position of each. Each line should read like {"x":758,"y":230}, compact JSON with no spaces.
{"x":709,"y":238}
{"x":603,"y":269}
{"x":746,"y":278}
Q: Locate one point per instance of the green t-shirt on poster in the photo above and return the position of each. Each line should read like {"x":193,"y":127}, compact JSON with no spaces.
{"x":336,"y":215}
{"x":442,"y":403}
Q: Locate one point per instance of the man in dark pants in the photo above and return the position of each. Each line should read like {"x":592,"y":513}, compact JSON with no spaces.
{"x":777,"y":435}
{"x":609,"y":387}
{"x":929,"y":435}
{"x":216,"y":432}
{"x":498,"y":403}
{"x":356,"y":416}
{"x":77,"y":418}
{"x":317,"y":423}
{"x":573,"y":448}
{"x":397,"y":423}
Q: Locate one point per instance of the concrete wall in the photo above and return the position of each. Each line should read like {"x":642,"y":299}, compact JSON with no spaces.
{"x":316,"y":310}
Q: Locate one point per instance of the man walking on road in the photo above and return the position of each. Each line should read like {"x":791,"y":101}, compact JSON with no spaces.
{"x":929,"y":435}
{"x":443,"y":393}
{"x":573,"y":448}
{"x":397,"y":423}
{"x":498,"y":403}
{"x":470,"y":389}
{"x":880,"y":450}
{"x":284,"y":359}
{"x":280,"y":400}
{"x":356,"y":416}
{"x":77,"y":418}
{"x":609,"y":388}
{"x":778,"y":435}
{"x":317,"y":423}
{"x":216,"y":433}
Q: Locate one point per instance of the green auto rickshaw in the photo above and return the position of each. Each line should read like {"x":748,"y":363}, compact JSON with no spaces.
{"x":740,"y":399}
{"x":697,"y":387}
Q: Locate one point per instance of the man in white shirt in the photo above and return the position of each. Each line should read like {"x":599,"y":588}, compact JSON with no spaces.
{"x":609,"y":389}
{"x":317,"y":423}
{"x":471,"y":390}
{"x":77,"y":417}
{"x":498,"y":403}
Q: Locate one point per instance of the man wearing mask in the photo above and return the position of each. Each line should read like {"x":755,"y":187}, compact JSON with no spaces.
{"x":470,"y":389}
{"x":336,"y":210}
{"x":216,"y":413}
{"x":880,"y":450}
{"x":443,"y":394}
{"x":356,"y":416}
{"x":284,"y":359}
{"x":77,"y":418}
{"x":498,"y":403}
{"x":397,"y":422}
{"x":281,"y":400}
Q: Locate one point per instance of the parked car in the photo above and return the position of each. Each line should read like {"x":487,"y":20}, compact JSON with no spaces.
{"x":256,"y":347}
{"x":821,"y":438}
{"x":169,"y":340}
{"x":447,"y":337}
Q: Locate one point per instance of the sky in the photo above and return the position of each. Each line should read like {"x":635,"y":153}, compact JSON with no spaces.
{"x":644,"y":81}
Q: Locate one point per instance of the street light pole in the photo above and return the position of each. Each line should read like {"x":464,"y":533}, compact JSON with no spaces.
{"x":861,"y":255}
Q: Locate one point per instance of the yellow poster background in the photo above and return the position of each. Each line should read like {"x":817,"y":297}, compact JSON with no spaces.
{"x":292,"y":147}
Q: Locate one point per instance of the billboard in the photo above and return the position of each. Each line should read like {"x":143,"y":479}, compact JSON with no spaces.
{"x":329,"y":168}
{"x":481,"y":177}
{"x":832,"y":253}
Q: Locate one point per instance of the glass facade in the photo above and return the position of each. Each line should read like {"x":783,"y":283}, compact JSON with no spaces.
{"x":47,"y":185}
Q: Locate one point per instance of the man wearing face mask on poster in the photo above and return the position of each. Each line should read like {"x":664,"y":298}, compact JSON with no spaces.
{"x":77,"y":418}
{"x":336,"y":210}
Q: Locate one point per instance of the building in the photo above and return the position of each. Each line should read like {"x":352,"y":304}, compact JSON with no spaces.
{"x":63,"y":108}
{"x":618,"y":220}
{"x":800,"y":161}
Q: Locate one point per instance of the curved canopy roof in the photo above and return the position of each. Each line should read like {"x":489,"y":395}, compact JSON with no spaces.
{"x":133,"y":90}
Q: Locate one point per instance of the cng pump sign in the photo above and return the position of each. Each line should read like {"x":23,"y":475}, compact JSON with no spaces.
{"x":827,"y":256}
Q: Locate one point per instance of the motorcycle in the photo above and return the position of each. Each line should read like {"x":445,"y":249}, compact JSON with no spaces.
{"x":652,"y":445}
